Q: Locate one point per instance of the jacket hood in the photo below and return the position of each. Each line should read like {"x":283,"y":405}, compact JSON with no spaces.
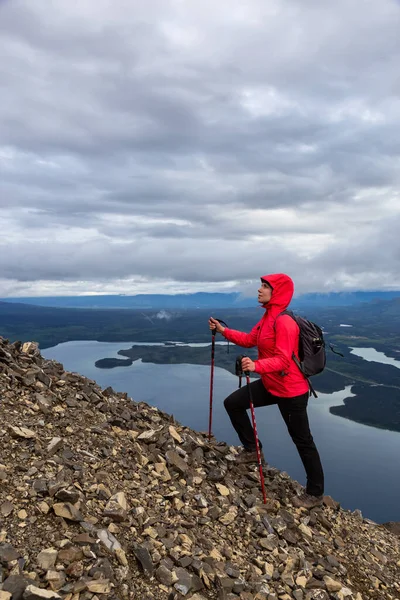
{"x":282,"y":290}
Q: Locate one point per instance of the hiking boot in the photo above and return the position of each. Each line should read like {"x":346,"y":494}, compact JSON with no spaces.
{"x":307,"y":501}
{"x":248,"y":457}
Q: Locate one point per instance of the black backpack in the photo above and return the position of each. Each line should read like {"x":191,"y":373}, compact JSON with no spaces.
{"x":312,"y":352}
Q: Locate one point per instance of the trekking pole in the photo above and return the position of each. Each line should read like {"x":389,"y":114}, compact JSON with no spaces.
{"x":213,"y":333}
{"x":253,"y":418}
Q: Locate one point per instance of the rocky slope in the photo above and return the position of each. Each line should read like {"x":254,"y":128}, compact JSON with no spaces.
{"x":102,"y":497}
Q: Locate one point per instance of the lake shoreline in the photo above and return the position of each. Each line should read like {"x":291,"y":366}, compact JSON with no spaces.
{"x":199,"y":354}
{"x":357,"y":459}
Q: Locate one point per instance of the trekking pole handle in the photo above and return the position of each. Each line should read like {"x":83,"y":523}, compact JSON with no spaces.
{"x":222,"y":323}
{"x":214,"y":331}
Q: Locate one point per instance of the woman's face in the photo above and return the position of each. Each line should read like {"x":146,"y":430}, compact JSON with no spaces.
{"x":264,"y":293}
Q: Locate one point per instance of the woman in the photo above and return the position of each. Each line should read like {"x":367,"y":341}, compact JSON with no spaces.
{"x":277,"y":338}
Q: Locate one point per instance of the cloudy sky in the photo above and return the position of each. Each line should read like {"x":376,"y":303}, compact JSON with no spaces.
{"x":185,"y":145}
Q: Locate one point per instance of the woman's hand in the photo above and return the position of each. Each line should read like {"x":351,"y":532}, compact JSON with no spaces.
{"x":215,"y":325}
{"x":248,"y":364}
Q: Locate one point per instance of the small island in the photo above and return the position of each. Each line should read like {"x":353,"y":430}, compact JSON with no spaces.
{"x":110,"y":363}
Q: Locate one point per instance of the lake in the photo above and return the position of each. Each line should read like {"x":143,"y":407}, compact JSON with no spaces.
{"x":361,"y":463}
{"x":373,"y":355}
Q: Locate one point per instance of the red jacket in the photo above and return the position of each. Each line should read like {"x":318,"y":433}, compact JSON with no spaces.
{"x":276,"y":340}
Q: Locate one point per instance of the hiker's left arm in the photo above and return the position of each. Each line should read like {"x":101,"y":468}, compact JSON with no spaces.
{"x":286,"y":336}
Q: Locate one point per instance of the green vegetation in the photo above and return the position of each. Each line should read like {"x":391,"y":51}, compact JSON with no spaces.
{"x":110,"y":363}
{"x":376,"y":325}
{"x":378,"y":406}
{"x":52,"y":326}
{"x":168,"y":355}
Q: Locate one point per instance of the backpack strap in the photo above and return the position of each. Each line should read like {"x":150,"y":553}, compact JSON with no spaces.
{"x":294,"y":357}
{"x":335,"y":351}
{"x":310,"y":385}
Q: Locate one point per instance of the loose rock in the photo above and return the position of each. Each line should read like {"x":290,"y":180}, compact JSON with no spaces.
{"x":102,"y":497}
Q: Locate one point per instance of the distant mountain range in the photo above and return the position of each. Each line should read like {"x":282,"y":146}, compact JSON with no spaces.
{"x":198,"y":300}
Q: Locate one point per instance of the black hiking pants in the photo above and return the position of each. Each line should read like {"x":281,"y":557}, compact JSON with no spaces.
{"x":294,"y":413}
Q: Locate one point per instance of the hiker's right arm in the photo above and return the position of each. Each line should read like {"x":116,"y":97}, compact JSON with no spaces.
{"x":246,"y":340}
